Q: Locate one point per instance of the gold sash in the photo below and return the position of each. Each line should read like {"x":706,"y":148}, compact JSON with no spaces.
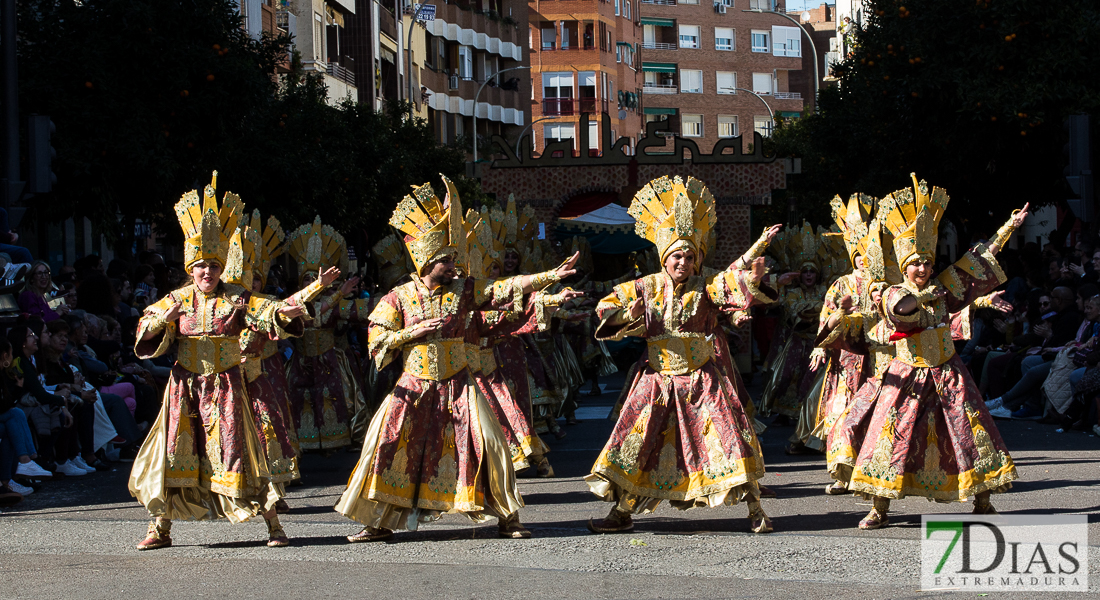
{"x":436,"y":360}
{"x":316,"y":342}
{"x":929,"y":348}
{"x":207,"y":355}
{"x":679,"y":355}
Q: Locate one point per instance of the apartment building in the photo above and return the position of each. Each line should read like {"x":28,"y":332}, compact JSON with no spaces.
{"x":453,"y":57}
{"x":713,"y":71}
{"x":319,"y":28}
{"x":584,"y":59}
{"x":820,"y":22}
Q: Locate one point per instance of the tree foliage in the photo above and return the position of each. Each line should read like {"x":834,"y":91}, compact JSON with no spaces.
{"x":150,"y":96}
{"x":969,"y":94}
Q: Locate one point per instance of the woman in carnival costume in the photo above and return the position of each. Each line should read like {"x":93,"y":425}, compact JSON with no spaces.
{"x":683,"y":434}
{"x":203,"y":457}
{"x":923,"y":429}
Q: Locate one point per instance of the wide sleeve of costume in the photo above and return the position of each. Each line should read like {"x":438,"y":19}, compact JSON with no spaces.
{"x":974,"y":275}
{"x":152,"y":321}
{"x":387,"y":332}
{"x":502,"y":323}
{"x":755,"y":251}
{"x":848,"y":332}
{"x":498,"y":293}
{"x":615,"y":320}
{"x":734,"y":289}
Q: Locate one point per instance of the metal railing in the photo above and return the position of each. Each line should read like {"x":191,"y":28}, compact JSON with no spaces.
{"x":592,"y":105}
{"x":654,"y":88}
{"x":558,"y":106}
{"x":659,"y":46}
{"x":341,"y":73}
{"x":787,"y":95}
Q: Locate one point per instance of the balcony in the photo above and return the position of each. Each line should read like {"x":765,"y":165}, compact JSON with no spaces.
{"x":660,"y":2}
{"x":658,"y":46}
{"x":592,"y":105}
{"x":658,"y":88}
{"x":558,"y":106}
{"x":788,"y":95}
{"x":341,"y":73}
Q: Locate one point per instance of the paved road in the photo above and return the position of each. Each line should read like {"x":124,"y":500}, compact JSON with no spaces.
{"x":75,"y":538}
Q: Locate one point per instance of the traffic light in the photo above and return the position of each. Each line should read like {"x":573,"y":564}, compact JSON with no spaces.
{"x":40,"y":155}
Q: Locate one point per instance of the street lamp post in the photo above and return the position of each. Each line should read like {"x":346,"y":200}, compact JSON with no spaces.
{"x":771,"y":114}
{"x":476,"y":96}
{"x":813,"y":48}
{"x":525,"y":129}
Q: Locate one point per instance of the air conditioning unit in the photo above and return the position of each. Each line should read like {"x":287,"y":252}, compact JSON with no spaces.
{"x":453,"y":82}
{"x":720,"y":8}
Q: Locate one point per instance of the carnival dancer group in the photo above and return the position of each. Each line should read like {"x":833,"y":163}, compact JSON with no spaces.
{"x":484,"y":340}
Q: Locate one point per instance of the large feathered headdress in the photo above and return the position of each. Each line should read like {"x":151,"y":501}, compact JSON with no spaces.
{"x":317,"y":246}
{"x":854,"y":221}
{"x":674,"y":215}
{"x":244,"y":247}
{"x":913,"y":221}
{"x":206,"y":226}
{"x":393,"y":261}
{"x":432,"y":229}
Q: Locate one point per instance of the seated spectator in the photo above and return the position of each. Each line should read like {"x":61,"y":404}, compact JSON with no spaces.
{"x":9,"y":238}
{"x":39,"y":298}
{"x":1058,"y":328}
{"x":17,"y":452}
{"x":124,"y":309}
{"x":47,"y":412}
{"x":118,"y":269}
{"x":145,"y":287}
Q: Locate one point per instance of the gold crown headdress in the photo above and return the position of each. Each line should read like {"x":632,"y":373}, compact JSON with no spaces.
{"x":854,"y":221}
{"x":913,"y":221}
{"x":206,"y":227}
{"x":272,"y":238}
{"x":432,"y":229}
{"x":674,"y":215}
{"x":479,"y":245}
{"x":316,"y":246}
{"x":393,"y":260}
{"x":491,"y":237}
{"x":802,"y":249}
{"x":245,"y":245}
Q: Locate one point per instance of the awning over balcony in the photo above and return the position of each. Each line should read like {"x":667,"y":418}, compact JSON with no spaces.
{"x":653,"y":110}
{"x":627,"y":44}
{"x":658,"y":22}
{"x":654,"y":67}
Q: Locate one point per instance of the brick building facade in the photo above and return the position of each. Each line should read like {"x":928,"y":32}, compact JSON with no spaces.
{"x":584,"y":59}
{"x":821,"y":23}
{"x":696,"y":53}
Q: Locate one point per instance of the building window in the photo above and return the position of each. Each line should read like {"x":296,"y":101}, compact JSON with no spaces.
{"x":689,"y":2}
{"x":466,"y":62}
{"x":787,"y":41}
{"x":689,"y":36}
{"x":557,"y":132}
{"x":763,"y":125}
{"x":723,"y":38}
{"x":557,"y":85}
{"x":727,"y":82}
{"x":549,"y":37}
{"x":691,"y":126}
{"x":618,"y":54}
{"x":691,"y":81}
{"x":760,"y":5}
{"x":761,"y":41}
{"x":617,"y":12}
{"x":627,"y":12}
{"x":727,"y":126}
{"x":762,"y":83}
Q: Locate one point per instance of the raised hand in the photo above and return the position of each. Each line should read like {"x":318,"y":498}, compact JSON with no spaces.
{"x":789,"y":278}
{"x":329,"y":276}
{"x":292,"y":311}
{"x":567,"y":268}
{"x":773,"y":231}
{"x":349,"y":286}
{"x":636,"y":308}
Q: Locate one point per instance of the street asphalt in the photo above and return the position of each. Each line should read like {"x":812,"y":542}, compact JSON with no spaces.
{"x":75,"y":538}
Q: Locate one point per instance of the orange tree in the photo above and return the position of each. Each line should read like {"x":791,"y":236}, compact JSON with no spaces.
{"x":969,"y":94}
